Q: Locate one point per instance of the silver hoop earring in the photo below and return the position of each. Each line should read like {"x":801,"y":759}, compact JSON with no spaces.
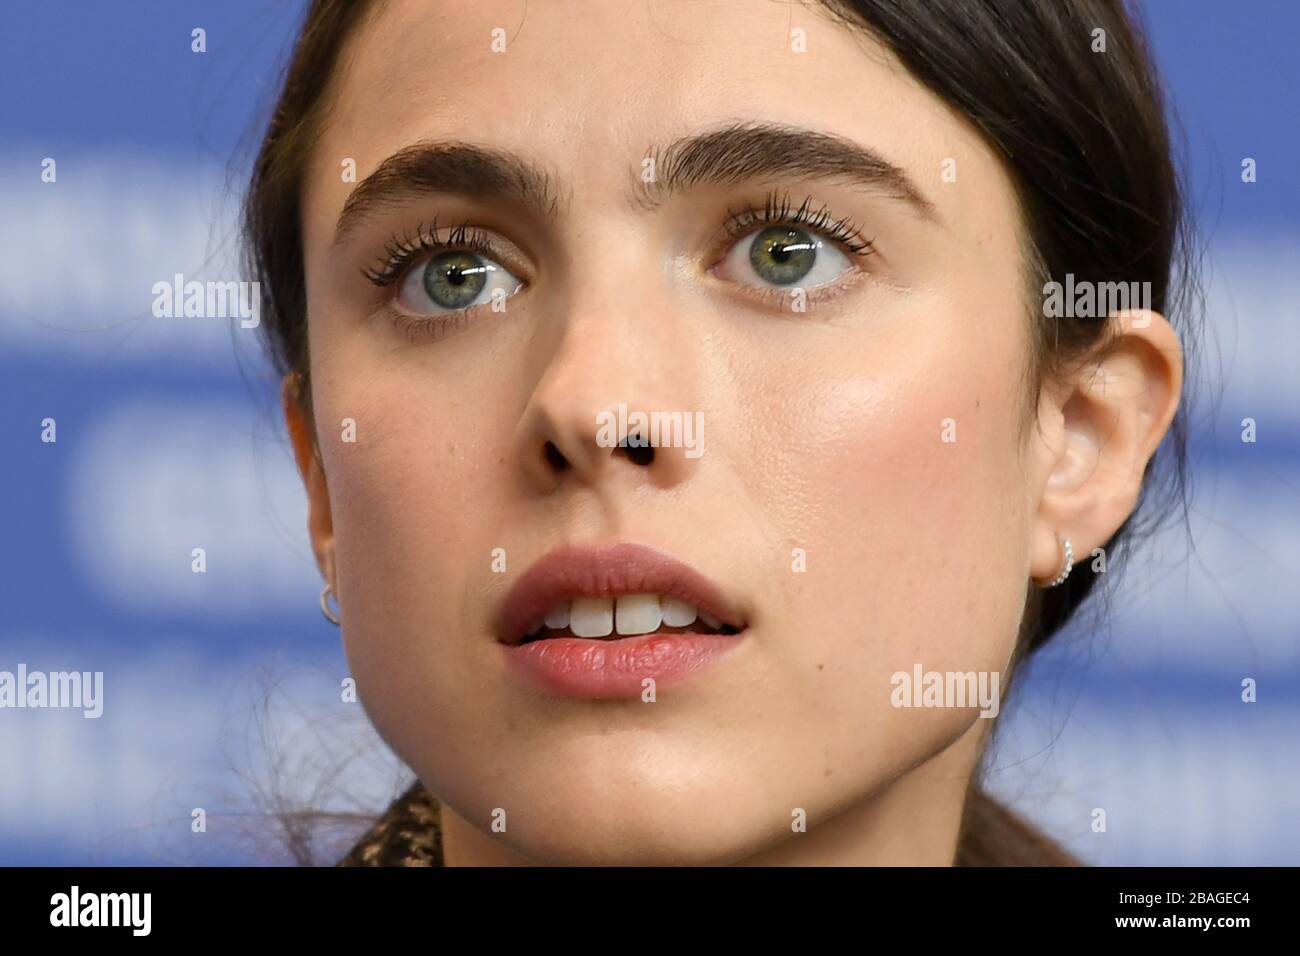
{"x":1068,"y":566}
{"x":325,"y":606}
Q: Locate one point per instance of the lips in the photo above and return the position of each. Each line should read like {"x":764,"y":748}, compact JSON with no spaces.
{"x":612,"y":592}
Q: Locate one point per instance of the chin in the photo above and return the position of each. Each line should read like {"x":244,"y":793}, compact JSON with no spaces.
{"x":645,"y":833}
{"x":606,"y":816}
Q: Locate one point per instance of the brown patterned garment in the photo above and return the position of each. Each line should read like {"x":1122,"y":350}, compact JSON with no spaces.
{"x":410,"y":834}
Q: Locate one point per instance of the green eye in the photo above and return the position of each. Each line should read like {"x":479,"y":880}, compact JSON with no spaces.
{"x":782,"y":255}
{"x":454,"y":280}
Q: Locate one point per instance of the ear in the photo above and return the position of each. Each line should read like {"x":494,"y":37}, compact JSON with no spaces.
{"x":1096,"y":434}
{"x":302,"y":434}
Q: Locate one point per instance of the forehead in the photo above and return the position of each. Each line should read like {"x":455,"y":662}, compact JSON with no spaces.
{"x":587,"y":88}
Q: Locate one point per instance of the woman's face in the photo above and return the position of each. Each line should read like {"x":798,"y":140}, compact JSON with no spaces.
{"x":860,"y":495}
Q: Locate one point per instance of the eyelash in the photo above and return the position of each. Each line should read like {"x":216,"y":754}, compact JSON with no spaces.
{"x":777,"y":209}
{"x":402,"y":250}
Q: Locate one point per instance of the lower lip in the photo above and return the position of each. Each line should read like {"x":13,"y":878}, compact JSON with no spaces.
{"x":584,"y":667}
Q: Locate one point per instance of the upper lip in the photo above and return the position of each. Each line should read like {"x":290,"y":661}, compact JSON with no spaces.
{"x":573,"y":572}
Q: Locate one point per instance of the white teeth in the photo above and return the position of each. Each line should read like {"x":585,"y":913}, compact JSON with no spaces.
{"x":677,"y":613}
{"x":558,"y":617}
{"x":591,"y":617}
{"x":637,"y":614}
{"x":628,"y":614}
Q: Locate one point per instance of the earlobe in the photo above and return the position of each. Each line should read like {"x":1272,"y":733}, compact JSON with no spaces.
{"x":320,"y":522}
{"x":1110,"y":419}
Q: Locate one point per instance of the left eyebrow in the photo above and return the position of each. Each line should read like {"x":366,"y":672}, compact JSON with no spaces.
{"x":748,"y":151}
{"x":448,"y":167}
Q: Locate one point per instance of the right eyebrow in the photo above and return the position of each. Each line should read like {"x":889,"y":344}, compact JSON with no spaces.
{"x":448,"y":167}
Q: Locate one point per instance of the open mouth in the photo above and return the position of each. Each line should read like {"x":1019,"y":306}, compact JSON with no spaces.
{"x":611,"y":593}
{"x":627,"y":615}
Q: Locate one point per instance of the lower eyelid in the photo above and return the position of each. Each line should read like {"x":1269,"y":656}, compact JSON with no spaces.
{"x":779,"y":296}
{"x":423,"y":328}
{"x":435,"y":324}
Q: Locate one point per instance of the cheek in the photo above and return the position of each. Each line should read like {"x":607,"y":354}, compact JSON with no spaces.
{"x":915,"y":544}
{"x":423,"y":458}
{"x":899,"y":474}
{"x":399,"y":497}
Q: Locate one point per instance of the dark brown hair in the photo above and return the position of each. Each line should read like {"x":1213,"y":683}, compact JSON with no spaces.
{"x":1078,"y":120}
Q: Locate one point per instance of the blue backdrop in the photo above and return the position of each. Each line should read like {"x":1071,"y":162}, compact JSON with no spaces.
{"x":222,"y":688}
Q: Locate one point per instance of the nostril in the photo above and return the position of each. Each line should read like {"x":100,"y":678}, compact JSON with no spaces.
{"x":639,"y":452}
{"x":554,"y":457}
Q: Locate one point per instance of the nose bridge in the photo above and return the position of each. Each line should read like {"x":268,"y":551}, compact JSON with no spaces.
{"x":618,"y":361}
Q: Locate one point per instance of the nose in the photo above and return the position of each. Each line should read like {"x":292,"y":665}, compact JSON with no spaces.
{"x":614,"y":407}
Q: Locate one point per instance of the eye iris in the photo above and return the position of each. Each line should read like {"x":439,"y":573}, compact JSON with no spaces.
{"x":455,"y":279}
{"x":783,"y":255}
